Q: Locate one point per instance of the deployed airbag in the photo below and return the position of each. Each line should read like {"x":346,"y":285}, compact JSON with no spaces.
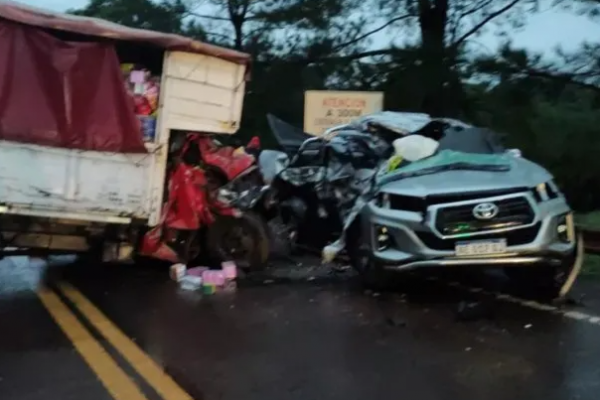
{"x":415,"y":147}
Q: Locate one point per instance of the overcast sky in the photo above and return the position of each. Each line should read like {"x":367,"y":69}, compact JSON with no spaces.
{"x":543,"y":33}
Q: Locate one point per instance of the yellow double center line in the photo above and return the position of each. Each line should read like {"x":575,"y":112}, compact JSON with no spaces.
{"x":114,"y":379}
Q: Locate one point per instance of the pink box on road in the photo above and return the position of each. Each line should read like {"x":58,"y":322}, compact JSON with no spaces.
{"x":197,"y":271}
{"x":213,"y":277}
{"x":230,"y":269}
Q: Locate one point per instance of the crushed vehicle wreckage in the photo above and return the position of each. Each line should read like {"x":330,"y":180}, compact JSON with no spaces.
{"x":194,"y":222}
{"x":400,"y":191}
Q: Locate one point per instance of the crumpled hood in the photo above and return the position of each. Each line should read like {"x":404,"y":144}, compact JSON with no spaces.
{"x":523,"y":173}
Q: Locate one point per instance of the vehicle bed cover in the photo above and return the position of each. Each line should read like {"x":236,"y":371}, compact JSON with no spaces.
{"x":34,"y":16}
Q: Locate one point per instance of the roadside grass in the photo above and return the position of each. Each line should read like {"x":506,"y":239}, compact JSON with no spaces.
{"x":591,"y":265}
{"x":589,"y":220}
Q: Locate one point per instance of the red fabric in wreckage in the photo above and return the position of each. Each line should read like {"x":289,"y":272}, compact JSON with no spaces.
{"x":186,"y":208}
{"x":223,"y":157}
{"x":63,"y":94}
{"x":188,"y":205}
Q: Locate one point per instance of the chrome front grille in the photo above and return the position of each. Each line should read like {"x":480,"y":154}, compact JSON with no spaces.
{"x":456,"y":220}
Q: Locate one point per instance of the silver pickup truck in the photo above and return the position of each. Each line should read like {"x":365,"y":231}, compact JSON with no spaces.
{"x":471,"y":204}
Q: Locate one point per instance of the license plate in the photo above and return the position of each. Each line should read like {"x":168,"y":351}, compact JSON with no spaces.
{"x":480,"y":248}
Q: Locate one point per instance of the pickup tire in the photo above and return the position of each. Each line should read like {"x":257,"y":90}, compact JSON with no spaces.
{"x":549,"y":283}
{"x":244,"y":240}
{"x":372,"y":274}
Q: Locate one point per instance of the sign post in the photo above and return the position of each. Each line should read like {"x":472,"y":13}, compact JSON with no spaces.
{"x":324,"y":109}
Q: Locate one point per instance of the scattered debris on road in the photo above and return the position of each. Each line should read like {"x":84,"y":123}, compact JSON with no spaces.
{"x":209,"y":281}
{"x":471,"y":311}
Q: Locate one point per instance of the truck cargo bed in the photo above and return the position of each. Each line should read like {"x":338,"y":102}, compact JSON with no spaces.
{"x":47,"y":181}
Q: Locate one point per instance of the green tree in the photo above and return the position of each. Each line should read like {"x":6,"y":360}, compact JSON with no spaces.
{"x":240,"y":22}
{"x":165,"y":16}
{"x":444,"y":29}
{"x":552,"y":116}
{"x":296,"y":45}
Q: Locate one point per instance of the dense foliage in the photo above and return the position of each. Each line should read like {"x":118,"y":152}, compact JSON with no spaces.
{"x":548,"y":107}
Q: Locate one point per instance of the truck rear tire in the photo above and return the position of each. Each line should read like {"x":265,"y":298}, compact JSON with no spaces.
{"x":244,"y":240}
{"x":95,"y":252}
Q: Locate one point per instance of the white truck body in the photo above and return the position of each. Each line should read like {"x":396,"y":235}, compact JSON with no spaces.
{"x":198,"y":93}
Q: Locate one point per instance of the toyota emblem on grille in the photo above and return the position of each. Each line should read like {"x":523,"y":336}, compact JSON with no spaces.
{"x":485,"y":211}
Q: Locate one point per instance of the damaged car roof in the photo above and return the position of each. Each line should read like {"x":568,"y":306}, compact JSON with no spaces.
{"x":401,"y":123}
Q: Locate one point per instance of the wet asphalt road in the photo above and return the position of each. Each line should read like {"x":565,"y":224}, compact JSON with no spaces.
{"x":298,"y":339}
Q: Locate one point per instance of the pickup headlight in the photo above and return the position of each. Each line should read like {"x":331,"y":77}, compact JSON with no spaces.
{"x":401,"y":202}
{"x":546,"y":191}
{"x":565,"y":228}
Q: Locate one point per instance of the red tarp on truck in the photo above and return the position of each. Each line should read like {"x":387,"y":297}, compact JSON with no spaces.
{"x":97,"y":27}
{"x":63,"y":94}
{"x":71,"y":94}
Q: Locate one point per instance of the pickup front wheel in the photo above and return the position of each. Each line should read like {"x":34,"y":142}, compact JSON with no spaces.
{"x":549,"y":282}
{"x":372,"y":275}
